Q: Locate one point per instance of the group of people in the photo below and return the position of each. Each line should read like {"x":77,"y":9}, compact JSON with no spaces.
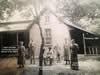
{"x":48,"y":56}
{"x":51,"y":54}
{"x":70,"y":54}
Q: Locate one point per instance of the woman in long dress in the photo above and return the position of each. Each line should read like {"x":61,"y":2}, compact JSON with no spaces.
{"x":21,"y":55}
{"x":32,"y":52}
{"x":74,"y":57}
{"x":66,"y":52}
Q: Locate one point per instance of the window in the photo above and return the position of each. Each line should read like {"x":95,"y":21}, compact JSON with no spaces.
{"x":48,"y":40}
{"x":48,"y":32}
{"x":48,"y":37}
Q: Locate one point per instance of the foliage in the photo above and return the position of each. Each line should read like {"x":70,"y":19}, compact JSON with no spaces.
{"x":8,"y":7}
{"x":5,"y":9}
{"x":85,"y":13}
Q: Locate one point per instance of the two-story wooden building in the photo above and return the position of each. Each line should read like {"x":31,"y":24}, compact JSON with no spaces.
{"x":55,"y":30}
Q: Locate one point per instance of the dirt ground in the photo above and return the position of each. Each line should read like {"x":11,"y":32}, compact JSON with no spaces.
{"x":8,"y":66}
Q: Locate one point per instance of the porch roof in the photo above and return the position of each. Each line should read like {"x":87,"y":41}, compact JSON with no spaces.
{"x":15,"y":26}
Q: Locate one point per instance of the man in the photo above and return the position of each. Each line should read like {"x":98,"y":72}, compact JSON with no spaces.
{"x":32,"y":52}
{"x":21,"y":55}
{"x":66,"y":52}
{"x":44,"y":55}
{"x":50,"y":56}
{"x":74,"y":58}
{"x":56,"y":48}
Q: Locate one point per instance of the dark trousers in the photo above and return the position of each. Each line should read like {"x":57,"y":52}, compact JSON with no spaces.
{"x":45,"y":61}
{"x":49,"y":60}
{"x":32,"y":60}
{"x":58,"y":57}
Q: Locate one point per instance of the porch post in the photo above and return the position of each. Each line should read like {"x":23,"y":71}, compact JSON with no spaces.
{"x":17,"y":38}
{"x":90,"y":51}
{"x":84,"y":44}
{"x":93,"y":50}
{"x":1,"y":41}
{"x":96,"y":51}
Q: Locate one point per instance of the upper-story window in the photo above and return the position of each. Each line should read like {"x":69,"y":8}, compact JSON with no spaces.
{"x":47,"y":19}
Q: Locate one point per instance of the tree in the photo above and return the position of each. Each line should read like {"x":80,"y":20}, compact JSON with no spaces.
{"x":37,"y":11}
{"x":84,"y":13}
{"x":37,"y":7}
{"x":71,"y":9}
{"x":9,"y":6}
{"x":5,"y":9}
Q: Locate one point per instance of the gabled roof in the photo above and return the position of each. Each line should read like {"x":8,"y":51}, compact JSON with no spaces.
{"x":70,"y":24}
{"x":24,"y":25}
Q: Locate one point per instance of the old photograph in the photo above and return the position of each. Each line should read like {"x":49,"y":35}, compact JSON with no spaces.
{"x":49,"y":37}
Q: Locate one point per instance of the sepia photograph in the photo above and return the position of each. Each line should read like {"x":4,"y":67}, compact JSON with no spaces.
{"x":49,"y":37}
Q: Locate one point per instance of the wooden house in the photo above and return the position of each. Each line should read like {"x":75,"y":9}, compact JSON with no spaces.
{"x":13,"y":32}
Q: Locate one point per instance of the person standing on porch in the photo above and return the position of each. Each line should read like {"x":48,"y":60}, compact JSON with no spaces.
{"x":74,"y":57}
{"x":32,"y":52}
{"x":21,"y":55}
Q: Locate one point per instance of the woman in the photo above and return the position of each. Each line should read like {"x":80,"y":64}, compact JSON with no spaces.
{"x":32,"y":52}
{"x":74,"y":58}
{"x":21,"y":55}
{"x":56,"y":48}
{"x":66,"y":52}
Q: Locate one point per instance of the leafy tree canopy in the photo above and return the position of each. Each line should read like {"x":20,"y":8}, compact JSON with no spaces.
{"x":85,"y":13}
